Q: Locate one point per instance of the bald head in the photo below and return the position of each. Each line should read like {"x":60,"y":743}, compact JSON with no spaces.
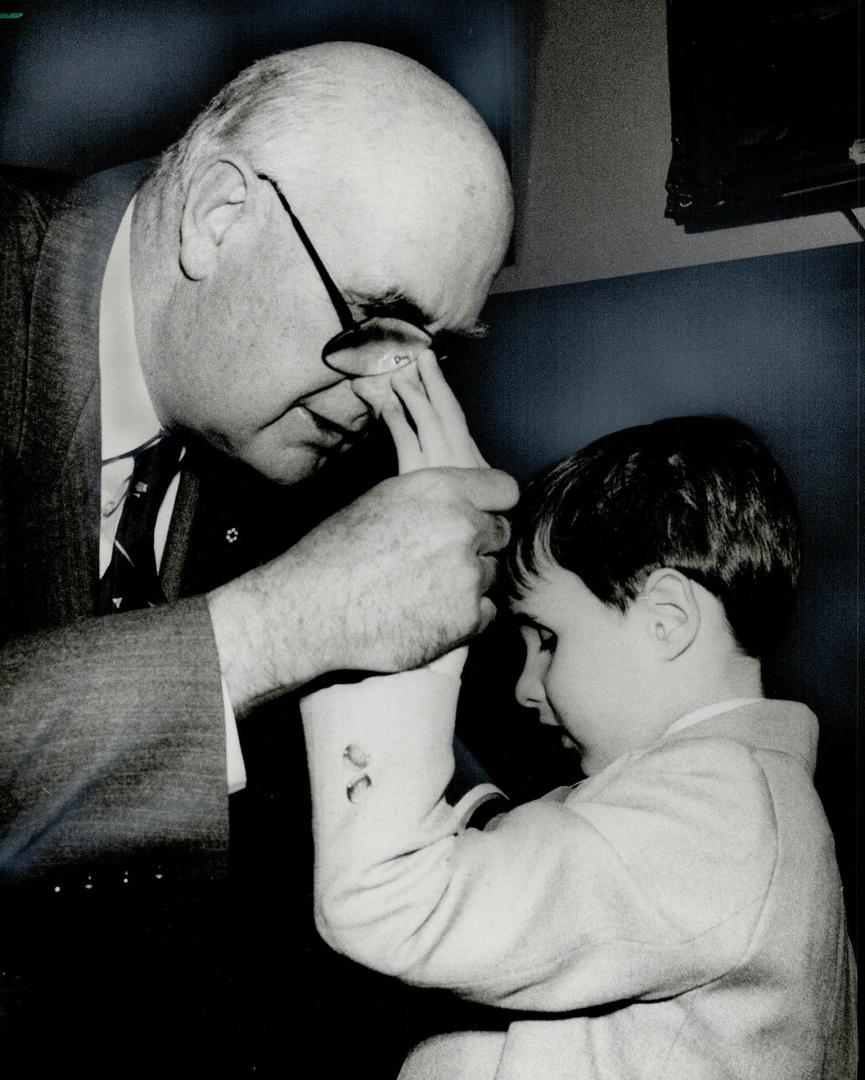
{"x":401,"y":190}
{"x":364,"y":129}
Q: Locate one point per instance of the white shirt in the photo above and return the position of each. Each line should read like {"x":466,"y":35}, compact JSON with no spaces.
{"x":128,"y":421}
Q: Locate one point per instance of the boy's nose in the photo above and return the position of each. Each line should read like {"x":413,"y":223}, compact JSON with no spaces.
{"x":529,"y":690}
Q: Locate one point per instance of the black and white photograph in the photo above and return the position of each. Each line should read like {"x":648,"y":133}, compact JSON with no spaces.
{"x":430,"y":538}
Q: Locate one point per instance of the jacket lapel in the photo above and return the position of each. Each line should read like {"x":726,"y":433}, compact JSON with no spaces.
{"x":60,"y":447}
{"x":173,"y":571}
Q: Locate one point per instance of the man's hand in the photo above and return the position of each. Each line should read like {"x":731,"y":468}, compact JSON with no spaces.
{"x":389,"y":583}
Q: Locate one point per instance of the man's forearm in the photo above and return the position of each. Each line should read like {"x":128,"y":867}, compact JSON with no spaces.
{"x":264,"y":652}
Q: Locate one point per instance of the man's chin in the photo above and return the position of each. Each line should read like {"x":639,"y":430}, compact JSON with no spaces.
{"x":291,"y":466}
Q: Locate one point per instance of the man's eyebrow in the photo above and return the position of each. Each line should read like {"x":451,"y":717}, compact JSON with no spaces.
{"x":396,"y":305}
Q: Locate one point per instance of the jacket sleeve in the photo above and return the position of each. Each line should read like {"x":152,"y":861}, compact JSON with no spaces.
{"x":648,"y":886}
{"x":112,"y":742}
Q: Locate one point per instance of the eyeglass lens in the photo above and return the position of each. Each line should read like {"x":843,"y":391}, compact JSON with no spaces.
{"x":377,"y":346}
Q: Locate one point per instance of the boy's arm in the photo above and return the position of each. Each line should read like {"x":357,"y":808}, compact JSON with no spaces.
{"x":647,"y":890}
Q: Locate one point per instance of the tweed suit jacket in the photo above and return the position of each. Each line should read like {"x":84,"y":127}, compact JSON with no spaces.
{"x":86,"y":703}
{"x":114,"y":815}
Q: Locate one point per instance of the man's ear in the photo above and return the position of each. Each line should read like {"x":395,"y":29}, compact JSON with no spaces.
{"x":669,"y":612}
{"x":217,"y":195}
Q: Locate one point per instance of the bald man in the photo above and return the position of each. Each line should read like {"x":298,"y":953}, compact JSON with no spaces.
{"x":331,"y":213}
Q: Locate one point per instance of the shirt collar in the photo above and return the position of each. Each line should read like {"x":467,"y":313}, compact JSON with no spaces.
{"x":128,"y":416}
{"x":706,"y":711}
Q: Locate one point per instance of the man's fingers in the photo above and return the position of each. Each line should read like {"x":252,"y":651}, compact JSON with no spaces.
{"x":489,"y":572}
{"x":494,"y":534}
{"x":488,"y":489}
{"x":487,"y":613}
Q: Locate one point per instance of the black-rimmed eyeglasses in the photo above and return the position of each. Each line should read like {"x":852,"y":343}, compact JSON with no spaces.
{"x":375,"y":346}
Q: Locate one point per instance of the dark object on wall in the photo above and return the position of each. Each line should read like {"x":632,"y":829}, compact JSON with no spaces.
{"x":766,"y":107}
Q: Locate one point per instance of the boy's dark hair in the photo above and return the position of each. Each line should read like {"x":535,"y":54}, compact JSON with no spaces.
{"x":698,"y":494}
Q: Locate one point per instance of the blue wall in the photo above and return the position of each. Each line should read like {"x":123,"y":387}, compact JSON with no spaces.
{"x":87,"y":84}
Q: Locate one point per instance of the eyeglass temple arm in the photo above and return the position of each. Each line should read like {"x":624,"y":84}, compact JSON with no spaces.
{"x":336,"y":298}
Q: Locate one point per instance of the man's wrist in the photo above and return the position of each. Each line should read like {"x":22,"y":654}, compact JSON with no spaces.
{"x":238,"y":612}
{"x":271,"y":630}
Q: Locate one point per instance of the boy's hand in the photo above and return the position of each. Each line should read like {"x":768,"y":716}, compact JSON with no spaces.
{"x":438,"y":435}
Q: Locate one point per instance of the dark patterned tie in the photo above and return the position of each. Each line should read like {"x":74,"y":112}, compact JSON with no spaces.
{"x":131,"y":580}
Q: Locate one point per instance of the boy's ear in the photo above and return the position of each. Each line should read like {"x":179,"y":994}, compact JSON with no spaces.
{"x":670,"y":612}
{"x":215,"y":199}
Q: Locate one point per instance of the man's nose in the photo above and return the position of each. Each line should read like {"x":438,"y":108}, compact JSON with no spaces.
{"x":359,"y":416}
{"x":353,"y":412}
{"x":374,"y":391}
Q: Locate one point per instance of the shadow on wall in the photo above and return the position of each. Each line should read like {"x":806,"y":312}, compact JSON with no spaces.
{"x":87,"y":84}
{"x":772,"y":341}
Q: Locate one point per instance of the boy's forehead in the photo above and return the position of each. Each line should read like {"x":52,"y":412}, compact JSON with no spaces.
{"x":553,"y":594}
{"x":522,"y":590}
{"x":515,"y":607}
{"x":529,"y":582}
{"x":533,"y":595}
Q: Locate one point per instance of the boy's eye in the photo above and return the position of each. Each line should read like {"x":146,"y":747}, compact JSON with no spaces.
{"x":538,"y":637}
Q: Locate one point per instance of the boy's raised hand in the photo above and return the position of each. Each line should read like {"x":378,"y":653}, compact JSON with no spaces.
{"x":426,"y":422}
{"x":437,"y":436}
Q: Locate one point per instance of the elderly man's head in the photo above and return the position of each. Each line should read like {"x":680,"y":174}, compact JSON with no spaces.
{"x":393,"y":188}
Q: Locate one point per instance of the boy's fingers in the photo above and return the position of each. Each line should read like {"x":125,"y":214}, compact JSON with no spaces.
{"x":404,"y":439}
{"x":480,"y":461}
{"x":445,"y":402}
{"x":440,"y":436}
{"x":462,"y":447}
{"x":437,"y":388}
{"x":406,"y":374}
{"x":431,"y":433}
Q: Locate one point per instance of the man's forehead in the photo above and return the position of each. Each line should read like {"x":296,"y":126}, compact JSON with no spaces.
{"x":441,"y":265}
{"x":421,"y":206}
{"x":393,"y":303}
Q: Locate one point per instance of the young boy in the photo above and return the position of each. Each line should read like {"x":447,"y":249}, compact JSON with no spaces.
{"x":678,"y":914}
